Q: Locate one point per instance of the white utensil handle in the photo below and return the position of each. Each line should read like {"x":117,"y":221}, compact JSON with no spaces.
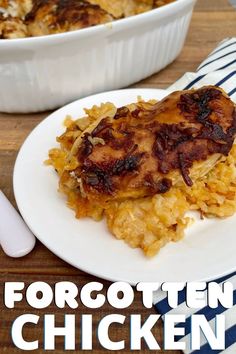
{"x":15,"y":237}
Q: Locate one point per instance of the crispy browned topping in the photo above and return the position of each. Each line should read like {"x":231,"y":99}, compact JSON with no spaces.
{"x":12,"y":27}
{"x":100,"y":176}
{"x":56,"y":16}
{"x":148,"y":149}
{"x":43,"y":17}
{"x":161,"y":186}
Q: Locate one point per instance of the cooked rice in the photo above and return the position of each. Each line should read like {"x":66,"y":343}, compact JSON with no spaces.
{"x":148,"y":223}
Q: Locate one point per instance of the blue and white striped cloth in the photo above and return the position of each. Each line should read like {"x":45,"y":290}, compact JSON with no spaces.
{"x":218,"y":69}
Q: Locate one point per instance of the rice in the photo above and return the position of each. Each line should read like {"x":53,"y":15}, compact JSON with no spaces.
{"x":147,"y":223}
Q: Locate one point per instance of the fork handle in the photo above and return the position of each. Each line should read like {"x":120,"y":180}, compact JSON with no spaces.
{"x":15,"y":237}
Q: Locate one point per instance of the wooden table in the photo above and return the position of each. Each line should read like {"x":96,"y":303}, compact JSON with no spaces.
{"x":212,"y":21}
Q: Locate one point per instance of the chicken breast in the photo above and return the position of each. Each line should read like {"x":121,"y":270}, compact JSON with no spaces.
{"x":147,"y":150}
{"x":56,"y":16}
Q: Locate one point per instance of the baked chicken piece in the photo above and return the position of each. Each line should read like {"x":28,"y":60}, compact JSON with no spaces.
{"x":56,"y":16}
{"x":145,"y":149}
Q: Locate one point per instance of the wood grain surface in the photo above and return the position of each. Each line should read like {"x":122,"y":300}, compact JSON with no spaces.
{"x":212,"y":21}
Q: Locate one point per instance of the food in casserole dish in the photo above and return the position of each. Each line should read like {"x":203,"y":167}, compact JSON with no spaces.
{"x":144,"y":165}
{"x":12,"y":14}
{"x":24,"y":18}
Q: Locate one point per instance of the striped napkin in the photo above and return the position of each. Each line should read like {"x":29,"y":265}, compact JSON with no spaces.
{"x":218,"y":69}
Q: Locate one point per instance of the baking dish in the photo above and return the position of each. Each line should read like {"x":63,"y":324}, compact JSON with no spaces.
{"x":43,"y":73}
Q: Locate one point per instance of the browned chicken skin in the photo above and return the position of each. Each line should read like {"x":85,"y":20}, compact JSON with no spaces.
{"x":146,"y":151}
{"x":56,"y":16}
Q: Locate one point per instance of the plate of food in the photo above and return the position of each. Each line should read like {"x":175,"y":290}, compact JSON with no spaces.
{"x":135,"y":185}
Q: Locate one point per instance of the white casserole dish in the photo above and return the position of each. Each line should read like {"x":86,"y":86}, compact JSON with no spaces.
{"x":46,"y":72}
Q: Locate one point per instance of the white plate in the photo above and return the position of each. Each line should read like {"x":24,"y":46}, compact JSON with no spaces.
{"x":207,"y":251}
